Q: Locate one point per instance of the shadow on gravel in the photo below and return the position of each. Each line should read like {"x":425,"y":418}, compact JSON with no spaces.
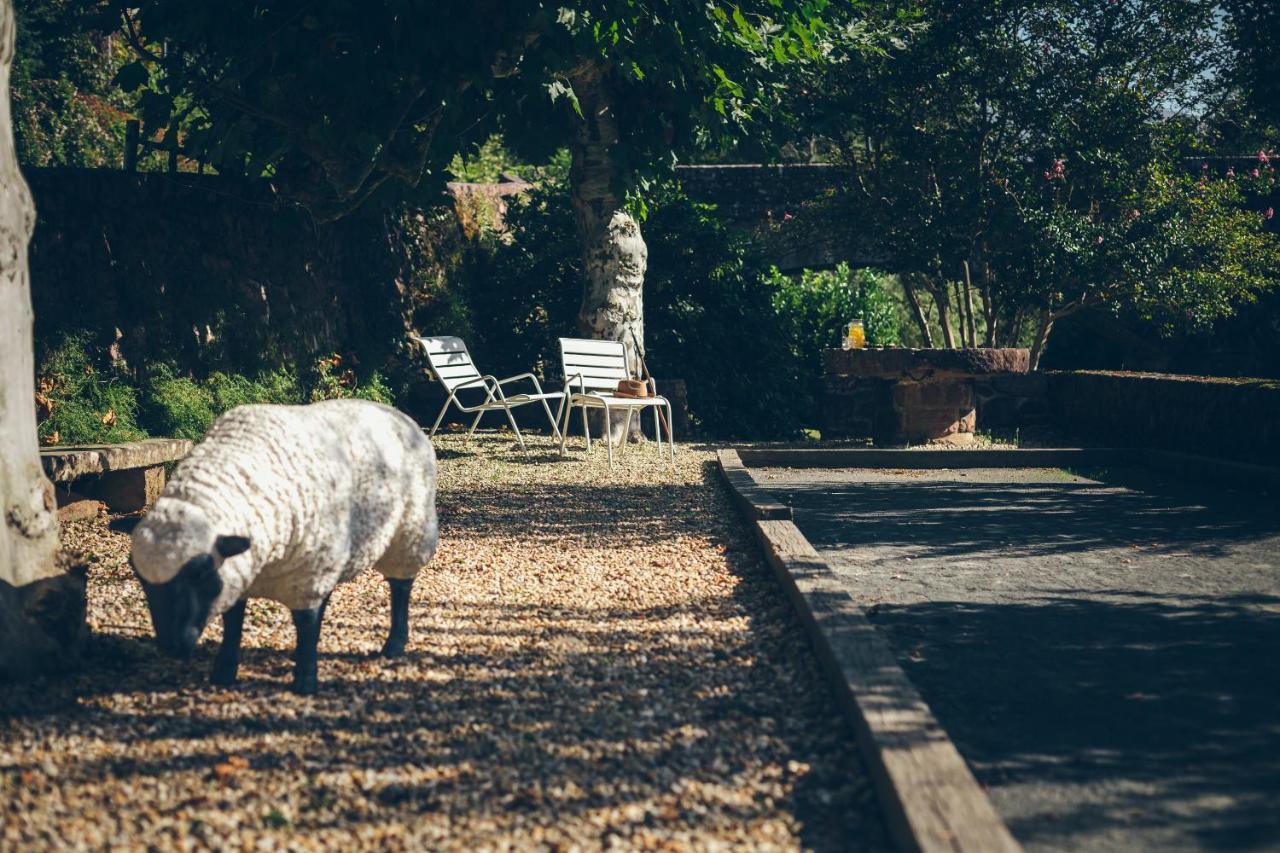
{"x":1166,"y":708}
{"x":703,"y":714}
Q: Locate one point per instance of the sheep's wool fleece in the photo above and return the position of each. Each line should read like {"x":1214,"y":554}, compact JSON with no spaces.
{"x":323,"y":492}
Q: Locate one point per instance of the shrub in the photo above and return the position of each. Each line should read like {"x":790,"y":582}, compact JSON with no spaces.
{"x":79,"y":402}
{"x":710,"y":321}
{"x":333,"y":381}
{"x":813,"y":308}
{"x":177,"y":407}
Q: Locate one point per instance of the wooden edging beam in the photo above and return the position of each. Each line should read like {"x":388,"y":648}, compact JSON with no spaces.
{"x":753,"y":500}
{"x":930,"y":799}
{"x":852,"y":457}
{"x":1208,"y":469}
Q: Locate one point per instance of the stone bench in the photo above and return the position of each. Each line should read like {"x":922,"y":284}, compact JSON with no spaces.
{"x":125,"y":477}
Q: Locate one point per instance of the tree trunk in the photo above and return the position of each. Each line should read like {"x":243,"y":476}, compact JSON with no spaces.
{"x":909,"y":290}
{"x":614,"y":255}
{"x":943,"y":301}
{"x":1044,"y":326}
{"x":41,"y":606}
{"x":971,"y":322}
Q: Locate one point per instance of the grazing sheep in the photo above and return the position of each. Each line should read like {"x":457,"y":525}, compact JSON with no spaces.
{"x":285,"y":503}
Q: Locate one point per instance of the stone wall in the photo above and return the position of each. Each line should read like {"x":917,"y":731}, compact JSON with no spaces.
{"x":1230,"y":418}
{"x":211,"y":273}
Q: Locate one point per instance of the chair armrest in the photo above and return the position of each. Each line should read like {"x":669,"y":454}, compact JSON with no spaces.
{"x":467,"y":382}
{"x":536,"y":384}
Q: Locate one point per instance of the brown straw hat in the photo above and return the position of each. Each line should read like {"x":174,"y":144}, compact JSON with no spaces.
{"x":631,"y":388}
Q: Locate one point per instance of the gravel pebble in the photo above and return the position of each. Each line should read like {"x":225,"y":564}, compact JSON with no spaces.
{"x":599,"y":660}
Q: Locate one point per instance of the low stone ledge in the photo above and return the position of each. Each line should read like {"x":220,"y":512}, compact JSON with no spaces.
{"x":1214,"y":416}
{"x":71,"y":462}
{"x":126,"y":477}
{"x":919,"y":364}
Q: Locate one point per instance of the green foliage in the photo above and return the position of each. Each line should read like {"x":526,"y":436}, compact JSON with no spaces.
{"x":177,"y":407}
{"x":342,"y":102}
{"x":78,"y":402}
{"x":65,"y":111}
{"x":812,"y":309}
{"x":486,"y":163}
{"x":1021,"y":138}
{"x":820,"y":302}
{"x":710,"y":321}
{"x":181,"y":407}
{"x":83,"y":402}
{"x":334,"y":381}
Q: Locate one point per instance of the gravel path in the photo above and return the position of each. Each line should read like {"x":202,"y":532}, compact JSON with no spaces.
{"x":598,"y":660}
{"x":1104,"y":654}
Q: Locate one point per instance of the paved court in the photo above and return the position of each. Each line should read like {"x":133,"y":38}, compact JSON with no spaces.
{"x":1104,"y":652}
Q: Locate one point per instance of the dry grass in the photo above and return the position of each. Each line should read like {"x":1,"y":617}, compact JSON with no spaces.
{"x":598,"y":659}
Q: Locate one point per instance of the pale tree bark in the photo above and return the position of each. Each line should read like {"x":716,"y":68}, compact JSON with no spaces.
{"x":614,"y":254}
{"x":41,"y":605}
{"x":1044,"y":325}
{"x":913,"y":300}
{"x":971,"y":322}
{"x":942,"y":300}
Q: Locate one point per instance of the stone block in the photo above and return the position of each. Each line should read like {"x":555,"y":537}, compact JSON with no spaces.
{"x":1020,"y":384}
{"x":73,"y":506}
{"x":933,"y":395}
{"x":130,"y":490}
{"x":856,"y":408}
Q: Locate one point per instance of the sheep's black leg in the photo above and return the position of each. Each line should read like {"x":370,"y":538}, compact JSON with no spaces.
{"x":307,"y":623}
{"x":399,"y":636}
{"x":228,"y":659}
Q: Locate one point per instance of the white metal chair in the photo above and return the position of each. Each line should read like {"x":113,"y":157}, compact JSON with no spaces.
{"x":591,"y":373}
{"x":452,"y":366}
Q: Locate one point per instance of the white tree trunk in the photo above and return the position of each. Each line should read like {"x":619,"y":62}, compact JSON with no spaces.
{"x":35,"y":593}
{"x":614,"y":255}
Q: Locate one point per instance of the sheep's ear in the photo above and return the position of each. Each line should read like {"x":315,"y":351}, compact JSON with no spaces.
{"x":124,"y":525}
{"x":228,"y":546}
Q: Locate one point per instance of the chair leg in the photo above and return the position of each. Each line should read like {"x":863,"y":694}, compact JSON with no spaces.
{"x":440,"y":417}
{"x":564,"y":429}
{"x":657,"y":427}
{"x":608,"y":434}
{"x":555,"y":429}
{"x":512,"y":420}
{"x":671,"y":437}
{"x":471,"y":432}
{"x":586,"y":427}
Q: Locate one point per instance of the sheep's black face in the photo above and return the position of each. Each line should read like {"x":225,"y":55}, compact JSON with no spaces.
{"x":180,"y":606}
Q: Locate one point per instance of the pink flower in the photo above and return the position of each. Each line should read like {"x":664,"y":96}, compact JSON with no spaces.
{"x":1231,"y":171}
{"x":1268,"y":213}
{"x":1253,"y":173}
{"x":1097,"y":241}
{"x":787,"y":217}
{"x":1262,"y":156}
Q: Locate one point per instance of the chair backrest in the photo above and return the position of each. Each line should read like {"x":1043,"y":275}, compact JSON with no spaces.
{"x":449,"y":360}
{"x":600,"y":363}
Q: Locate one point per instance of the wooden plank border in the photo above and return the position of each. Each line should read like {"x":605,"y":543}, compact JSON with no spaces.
{"x":930,"y":799}
{"x":852,"y":457}
{"x":1222,"y":472}
{"x":753,"y":500}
